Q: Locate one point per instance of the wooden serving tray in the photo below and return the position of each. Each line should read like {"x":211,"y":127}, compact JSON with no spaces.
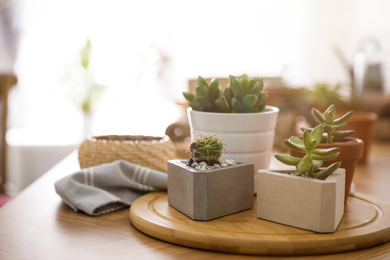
{"x":365,"y":224}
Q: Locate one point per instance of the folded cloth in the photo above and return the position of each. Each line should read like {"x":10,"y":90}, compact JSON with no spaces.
{"x":107,"y":187}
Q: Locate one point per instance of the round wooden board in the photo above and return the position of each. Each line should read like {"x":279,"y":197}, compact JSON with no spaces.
{"x":365,"y":223}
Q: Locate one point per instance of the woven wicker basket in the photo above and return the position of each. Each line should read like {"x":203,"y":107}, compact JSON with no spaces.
{"x":148,"y":151}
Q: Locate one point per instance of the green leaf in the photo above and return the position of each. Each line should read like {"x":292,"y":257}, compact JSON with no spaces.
{"x":295,"y":147}
{"x":344,"y":119}
{"x":323,"y":174}
{"x":318,"y":116}
{"x":287,"y":159}
{"x":222,"y":104}
{"x":256,"y":88}
{"x":262,"y":102}
{"x":304,"y":165}
{"x":249,"y":100}
{"x":189,"y":96}
{"x":329,"y":117}
{"x":342,"y":134}
{"x":237,"y":106}
{"x":201,"y":90}
{"x":316,"y":134}
{"x":214,"y":93}
{"x":317,"y":164}
{"x":297,"y":140}
{"x":325,"y":157}
{"x":308,"y":141}
{"x":326,"y":152}
{"x":214,"y":83}
{"x":201,"y":81}
{"x":237,"y":89}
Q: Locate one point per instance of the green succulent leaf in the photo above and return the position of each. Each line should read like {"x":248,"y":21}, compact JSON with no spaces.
{"x":238,"y":107}
{"x":249,"y":100}
{"x":318,"y":116}
{"x":222,"y":104}
{"x":287,"y":159}
{"x":201,"y":81}
{"x":323,"y":174}
{"x":262,"y":102}
{"x":342,"y":134}
{"x":325,"y":157}
{"x":201,"y":90}
{"x":237,"y":89}
{"x":326,"y":152}
{"x":297,"y":140}
{"x":294,"y":146}
{"x":214,"y":93}
{"x":329,"y":116}
{"x":309,"y":142}
{"x":316,"y":134}
{"x":344,"y":119}
{"x":304,"y":165}
{"x":189,"y":96}
{"x":317,"y":164}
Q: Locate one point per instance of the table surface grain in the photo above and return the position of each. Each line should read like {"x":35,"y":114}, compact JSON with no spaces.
{"x":36,"y":224}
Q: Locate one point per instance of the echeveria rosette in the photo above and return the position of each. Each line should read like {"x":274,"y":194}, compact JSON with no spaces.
{"x":242,"y":95}
{"x":310,"y":164}
{"x":332,"y":125}
{"x":245,"y":95}
{"x":205,"y":96}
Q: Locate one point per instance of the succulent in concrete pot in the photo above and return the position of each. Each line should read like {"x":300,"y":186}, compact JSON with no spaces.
{"x":314,"y":203}
{"x":309,"y":165}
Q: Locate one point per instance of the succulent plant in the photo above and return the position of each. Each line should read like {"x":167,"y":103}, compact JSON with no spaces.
{"x":310,"y":164}
{"x":206,"y":149}
{"x":205,"y":96}
{"x":330,"y":124}
{"x":242,"y":95}
{"x":245,"y":95}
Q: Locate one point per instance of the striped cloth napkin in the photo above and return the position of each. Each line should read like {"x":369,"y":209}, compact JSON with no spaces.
{"x":108,"y":187}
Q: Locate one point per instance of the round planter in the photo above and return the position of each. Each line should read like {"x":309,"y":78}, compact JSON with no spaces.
{"x":363,"y":124}
{"x":351,"y":151}
{"x":249,"y":137}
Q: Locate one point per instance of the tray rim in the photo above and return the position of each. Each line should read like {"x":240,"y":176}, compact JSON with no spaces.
{"x":310,"y":243}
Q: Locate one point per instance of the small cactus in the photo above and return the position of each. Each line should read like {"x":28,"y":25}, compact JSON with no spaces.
{"x":206,"y":149}
{"x":242,"y":95}
{"x":310,"y":164}
{"x":332,"y":125}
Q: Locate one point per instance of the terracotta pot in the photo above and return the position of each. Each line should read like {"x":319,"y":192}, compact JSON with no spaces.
{"x":363,"y":124}
{"x":351,"y":150}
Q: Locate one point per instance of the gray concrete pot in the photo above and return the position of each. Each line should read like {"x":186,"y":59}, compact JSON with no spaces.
{"x":210,"y":194}
{"x":307,"y":203}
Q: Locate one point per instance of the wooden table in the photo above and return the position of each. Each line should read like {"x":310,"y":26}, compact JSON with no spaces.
{"x":37,"y":225}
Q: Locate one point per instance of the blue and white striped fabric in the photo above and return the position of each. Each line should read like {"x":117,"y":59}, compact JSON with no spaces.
{"x":108,"y":187}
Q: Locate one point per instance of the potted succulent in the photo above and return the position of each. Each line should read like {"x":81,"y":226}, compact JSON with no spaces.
{"x":351,"y":149}
{"x":308,"y":197}
{"x":239,"y":113}
{"x":204,"y":187}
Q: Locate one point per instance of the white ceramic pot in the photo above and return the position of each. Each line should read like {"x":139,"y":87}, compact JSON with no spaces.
{"x":307,"y":203}
{"x":249,"y":137}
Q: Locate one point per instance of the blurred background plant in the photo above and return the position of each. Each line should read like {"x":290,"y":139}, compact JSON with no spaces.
{"x":83,"y":89}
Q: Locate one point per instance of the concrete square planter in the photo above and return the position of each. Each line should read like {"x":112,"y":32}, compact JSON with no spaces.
{"x":312,"y":204}
{"x":210,"y":194}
